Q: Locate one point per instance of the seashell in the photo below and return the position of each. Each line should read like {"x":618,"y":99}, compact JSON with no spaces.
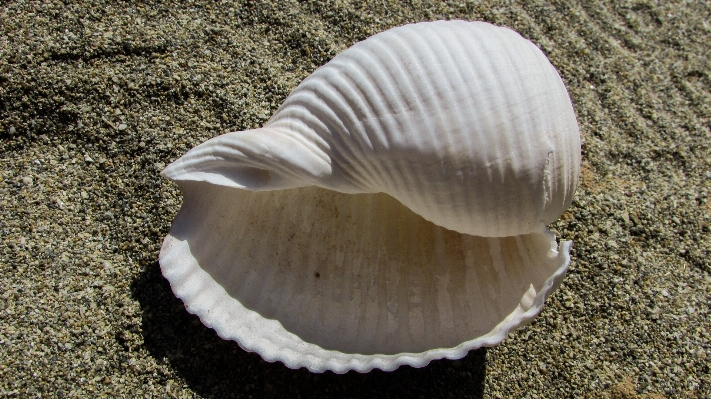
{"x":392,"y":211}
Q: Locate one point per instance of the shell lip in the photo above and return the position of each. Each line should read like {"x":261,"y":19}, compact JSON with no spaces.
{"x":340,"y":362}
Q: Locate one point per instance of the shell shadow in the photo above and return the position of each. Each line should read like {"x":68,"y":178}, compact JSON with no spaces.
{"x":213,"y":367}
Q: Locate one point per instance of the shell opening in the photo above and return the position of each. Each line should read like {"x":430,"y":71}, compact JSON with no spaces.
{"x":338,"y":274}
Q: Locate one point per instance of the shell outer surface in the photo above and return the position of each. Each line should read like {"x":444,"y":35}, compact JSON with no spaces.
{"x":391,"y":212}
{"x":465,"y":123}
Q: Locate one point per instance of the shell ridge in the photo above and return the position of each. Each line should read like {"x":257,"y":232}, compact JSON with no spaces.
{"x":287,"y":291}
{"x":368,"y":166}
{"x":525,"y":122}
{"x":419,"y":313}
{"x":381,"y":296}
{"x":528,"y":262}
{"x":510,"y":275}
{"x":497,"y":105}
{"x":346,"y":95}
{"x":378,"y":99}
{"x":451,"y":71}
{"x":484,"y":275}
{"x":355,"y":97}
{"x":343,"y":292}
{"x":268,"y":274}
{"x":359,"y":74}
{"x":522,"y":150}
{"x":320,"y":102}
{"x":353,"y":287}
{"x":394,"y":65}
{"x":386,"y":118}
{"x":455,"y":51}
{"x":442,"y":308}
{"x":524,"y":252}
{"x":305,"y":137}
{"x":469,"y":45}
{"x":473,"y":288}
{"x":368,"y":269}
{"x":394,"y":56}
{"x":336,"y":291}
{"x":417,"y":62}
{"x":410,"y":310}
{"x":281,"y":291}
{"x":315,"y":145}
{"x":496,"y":255}
{"x":569,"y":156}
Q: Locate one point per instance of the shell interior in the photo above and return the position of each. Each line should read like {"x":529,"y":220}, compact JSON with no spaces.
{"x":325,"y":280}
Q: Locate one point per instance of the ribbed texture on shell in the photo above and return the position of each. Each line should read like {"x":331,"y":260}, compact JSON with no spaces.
{"x":467,"y":124}
{"x":329,"y":281}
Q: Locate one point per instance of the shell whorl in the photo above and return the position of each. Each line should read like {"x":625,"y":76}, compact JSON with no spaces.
{"x":465,"y":123}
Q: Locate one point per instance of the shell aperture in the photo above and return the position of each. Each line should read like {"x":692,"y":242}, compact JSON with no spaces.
{"x":393,"y":209}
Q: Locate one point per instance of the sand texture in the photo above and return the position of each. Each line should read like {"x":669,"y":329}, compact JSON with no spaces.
{"x":97,"y":97}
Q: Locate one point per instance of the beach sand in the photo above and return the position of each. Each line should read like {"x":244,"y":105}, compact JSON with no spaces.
{"x":97,"y":97}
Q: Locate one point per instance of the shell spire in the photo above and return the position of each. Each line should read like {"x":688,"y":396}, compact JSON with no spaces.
{"x":392,"y":211}
{"x":258,"y":160}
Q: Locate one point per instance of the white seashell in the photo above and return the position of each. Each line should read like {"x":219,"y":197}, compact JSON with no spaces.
{"x":293,"y":239}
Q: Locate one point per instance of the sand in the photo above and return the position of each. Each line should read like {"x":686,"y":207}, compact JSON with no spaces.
{"x":97,"y":97}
